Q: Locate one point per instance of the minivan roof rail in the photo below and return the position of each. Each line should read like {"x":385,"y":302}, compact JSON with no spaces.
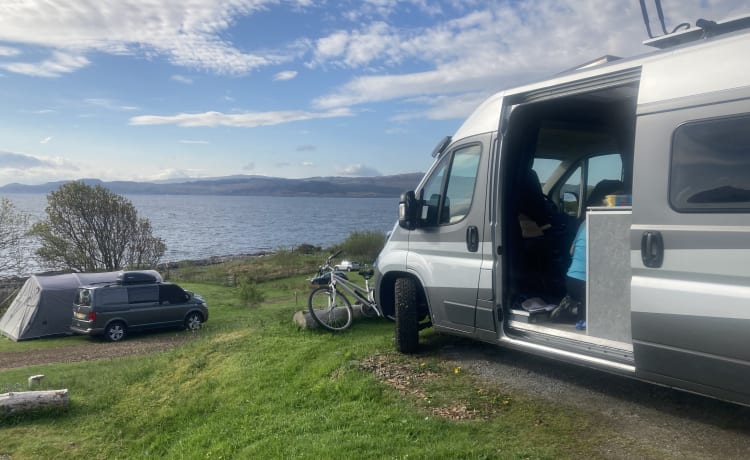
{"x":703,"y":29}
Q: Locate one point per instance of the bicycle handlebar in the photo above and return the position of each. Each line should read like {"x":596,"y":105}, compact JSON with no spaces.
{"x":333,"y":256}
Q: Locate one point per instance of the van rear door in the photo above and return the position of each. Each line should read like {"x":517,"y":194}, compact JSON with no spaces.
{"x":690,"y":238}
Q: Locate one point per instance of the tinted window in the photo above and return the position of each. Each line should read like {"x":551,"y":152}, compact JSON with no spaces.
{"x":710,"y":168}
{"x":140,"y":294}
{"x":172,"y":293}
{"x":111,"y":296}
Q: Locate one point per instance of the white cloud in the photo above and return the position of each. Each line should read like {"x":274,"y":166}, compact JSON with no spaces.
{"x":285,"y":75}
{"x":487,"y":50}
{"x":6,"y":51}
{"x":242,"y":120}
{"x":45,"y":140}
{"x":58,"y":64}
{"x":186,"y":141}
{"x":188,"y":33}
{"x":357,"y":170}
{"x":110,"y":105}
{"x":171,"y":174}
{"x":20,"y":167}
{"x":443,"y":107}
{"x":308,"y":164}
{"x":249,"y":166}
{"x":357,"y":48}
{"x":182,"y":79}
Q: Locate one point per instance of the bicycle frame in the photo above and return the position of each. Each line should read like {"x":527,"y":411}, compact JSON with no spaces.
{"x":364,"y":295}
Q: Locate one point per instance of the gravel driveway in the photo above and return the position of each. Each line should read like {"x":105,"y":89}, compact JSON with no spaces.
{"x":670,"y":424}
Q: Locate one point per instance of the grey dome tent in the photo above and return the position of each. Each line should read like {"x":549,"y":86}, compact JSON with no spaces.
{"x":44,"y":304}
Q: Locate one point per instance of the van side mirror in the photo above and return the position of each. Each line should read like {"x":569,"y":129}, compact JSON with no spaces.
{"x":408,"y":209}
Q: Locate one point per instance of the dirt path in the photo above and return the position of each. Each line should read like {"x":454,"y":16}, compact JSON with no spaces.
{"x":88,"y":352}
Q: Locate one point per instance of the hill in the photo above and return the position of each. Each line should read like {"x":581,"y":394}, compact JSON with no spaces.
{"x":379,"y":186}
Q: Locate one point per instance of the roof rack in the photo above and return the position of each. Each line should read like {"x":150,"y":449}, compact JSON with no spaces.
{"x":704,"y":29}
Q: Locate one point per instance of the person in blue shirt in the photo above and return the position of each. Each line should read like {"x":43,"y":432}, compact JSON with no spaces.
{"x":575,"y":281}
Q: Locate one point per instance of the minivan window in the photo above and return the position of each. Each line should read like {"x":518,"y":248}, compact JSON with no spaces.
{"x":710,"y":164}
{"x":142,"y":294}
{"x":172,"y":293}
{"x":83,"y":297}
{"x":448,"y":199}
{"x":111,"y":296}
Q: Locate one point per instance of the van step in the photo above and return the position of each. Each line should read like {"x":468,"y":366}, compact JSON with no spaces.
{"x":524,"y":316}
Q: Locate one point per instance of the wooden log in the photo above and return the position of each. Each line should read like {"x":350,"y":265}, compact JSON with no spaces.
{"x":21,"y":401}
{"x":304,"y":320}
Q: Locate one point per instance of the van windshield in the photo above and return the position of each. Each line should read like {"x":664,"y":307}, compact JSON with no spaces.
{"x":544,"y":167}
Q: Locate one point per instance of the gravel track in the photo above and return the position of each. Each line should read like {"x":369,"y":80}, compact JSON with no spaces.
{"x":649,"y":421}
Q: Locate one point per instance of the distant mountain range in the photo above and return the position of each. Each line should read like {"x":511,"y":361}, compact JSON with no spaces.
{"x":379,"y":186}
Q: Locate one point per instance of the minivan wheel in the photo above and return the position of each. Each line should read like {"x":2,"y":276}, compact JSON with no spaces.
{"x":407,"y":327}
{"x":115,"y":331}
{"x":193,"y":321}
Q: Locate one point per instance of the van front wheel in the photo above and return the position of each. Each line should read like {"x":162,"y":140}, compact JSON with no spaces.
{"x":194,"y":321}
{"x":407,"y":327}
{"x":115,"y":331}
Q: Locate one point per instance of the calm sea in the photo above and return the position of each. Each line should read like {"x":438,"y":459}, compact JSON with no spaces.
{"x":195,"y":227}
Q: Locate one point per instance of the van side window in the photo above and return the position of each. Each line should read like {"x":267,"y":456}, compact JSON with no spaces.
{"x":111,"y":296}
{"x":448,"y":192}
{"x":143,"y":294}
{"x":172,"y":294}
{"x":710,"y":170}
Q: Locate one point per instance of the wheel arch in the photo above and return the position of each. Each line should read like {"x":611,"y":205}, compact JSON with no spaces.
{"x":387,"y":293}
{"x":117,"y":320}
{"x":194,"y":310}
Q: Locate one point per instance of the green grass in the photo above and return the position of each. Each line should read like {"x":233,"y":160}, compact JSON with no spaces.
{"x":251,"y":385}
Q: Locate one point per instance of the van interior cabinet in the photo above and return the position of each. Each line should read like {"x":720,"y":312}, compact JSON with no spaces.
{"x":608,"y":273}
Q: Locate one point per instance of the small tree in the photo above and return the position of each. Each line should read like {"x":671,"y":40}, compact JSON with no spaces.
{"x":93,"y":229}
{"x":13,"y":250}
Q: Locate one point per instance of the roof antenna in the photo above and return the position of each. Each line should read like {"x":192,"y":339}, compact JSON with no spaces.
{"x":644,"y":12}
{"x":660,"y":14}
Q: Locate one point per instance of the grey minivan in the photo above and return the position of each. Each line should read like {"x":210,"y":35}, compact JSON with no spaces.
{"x":136,"y":302}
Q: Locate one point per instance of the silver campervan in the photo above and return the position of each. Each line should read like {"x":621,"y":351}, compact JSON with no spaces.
{"x":482,"y":245}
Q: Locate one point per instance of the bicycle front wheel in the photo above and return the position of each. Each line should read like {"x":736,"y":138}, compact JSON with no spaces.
{"x":329,"y":314}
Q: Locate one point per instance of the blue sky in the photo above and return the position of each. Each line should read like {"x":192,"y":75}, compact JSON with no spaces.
{"x":166,"y":89}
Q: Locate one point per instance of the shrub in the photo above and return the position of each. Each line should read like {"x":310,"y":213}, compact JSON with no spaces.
{"x":364,"y":245}
{"x":250,"y":295}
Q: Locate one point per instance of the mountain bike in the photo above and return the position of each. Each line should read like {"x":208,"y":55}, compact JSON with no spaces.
{"x":329,"y":307}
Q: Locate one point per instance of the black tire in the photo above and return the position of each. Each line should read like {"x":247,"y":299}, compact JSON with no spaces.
{"x":115,"y":331}
{"x":333,"y":317}
{"x":407,"y":326}
{"x":193,"y":321}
